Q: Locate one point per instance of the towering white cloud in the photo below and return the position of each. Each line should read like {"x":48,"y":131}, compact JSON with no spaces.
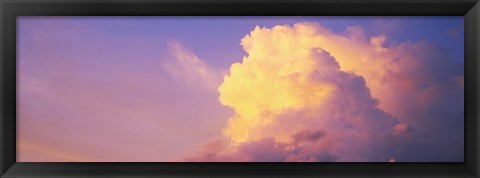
{"x":308,"y":94}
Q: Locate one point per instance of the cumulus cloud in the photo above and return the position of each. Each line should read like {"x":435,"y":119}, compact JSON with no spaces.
{"x":264,"y":150}
{"x":305,"y":93}
{"x":188,"y":67}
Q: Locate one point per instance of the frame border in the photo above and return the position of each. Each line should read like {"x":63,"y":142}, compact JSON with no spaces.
{"x":10,"y":9}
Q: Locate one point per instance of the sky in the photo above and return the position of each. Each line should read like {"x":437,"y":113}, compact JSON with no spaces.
{"x":240,"y":89}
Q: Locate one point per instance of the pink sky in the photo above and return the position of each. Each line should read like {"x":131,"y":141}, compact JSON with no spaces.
{"x":153,"y":90}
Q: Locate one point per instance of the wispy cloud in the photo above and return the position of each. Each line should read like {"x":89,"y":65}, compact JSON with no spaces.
{"x":31,"y":152}
{"x":190,"y":68}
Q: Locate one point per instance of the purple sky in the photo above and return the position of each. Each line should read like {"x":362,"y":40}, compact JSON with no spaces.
{"x":137,"y":88}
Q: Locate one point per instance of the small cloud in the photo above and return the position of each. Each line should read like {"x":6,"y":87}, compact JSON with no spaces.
{"x":308,"y":136}
{"x":378,"y":42}
{"x":459,"y":80}
{"x":190,"y":68}
{"x":401,"y":128}
{"x":454,"y":33}
{"x":35,"y":85}
{"x":392,"y":160}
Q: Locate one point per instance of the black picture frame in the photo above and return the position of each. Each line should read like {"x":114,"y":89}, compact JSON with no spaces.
{"x":10,"y":9}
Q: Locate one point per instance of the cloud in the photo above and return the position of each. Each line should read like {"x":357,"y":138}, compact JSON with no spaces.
{"x":308,"y":94}
{"x":31,"y":152}
{"x":308,"y":136}
{"x":264,"y":150}
{"x":188,"y":67}
{"x":454,"y":33}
